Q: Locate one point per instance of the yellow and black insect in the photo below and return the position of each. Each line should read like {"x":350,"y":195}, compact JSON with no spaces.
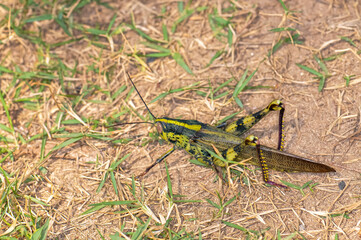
{"x":198,"y":139}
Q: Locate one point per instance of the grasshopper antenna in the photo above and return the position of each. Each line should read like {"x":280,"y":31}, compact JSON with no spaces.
{"x":121,"y":124}
{"x":140,"y":96}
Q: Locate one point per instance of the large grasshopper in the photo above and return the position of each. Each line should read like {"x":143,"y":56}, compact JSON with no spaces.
{"x":198,"y":139}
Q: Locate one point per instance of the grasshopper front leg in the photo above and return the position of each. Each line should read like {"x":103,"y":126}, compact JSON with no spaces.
{"x":160,"y":159}
{"x":243,"y":124}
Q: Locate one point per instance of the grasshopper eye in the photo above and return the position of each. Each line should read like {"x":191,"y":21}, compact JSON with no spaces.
{"x":159,"y":128}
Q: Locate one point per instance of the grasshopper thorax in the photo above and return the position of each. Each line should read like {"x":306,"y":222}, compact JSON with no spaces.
{"x":173,"y":129}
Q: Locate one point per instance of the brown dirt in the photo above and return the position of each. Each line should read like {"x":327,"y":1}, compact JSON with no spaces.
{"x":323,"y":126}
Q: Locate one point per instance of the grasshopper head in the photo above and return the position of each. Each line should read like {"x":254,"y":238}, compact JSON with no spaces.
{"x":160,"y":129}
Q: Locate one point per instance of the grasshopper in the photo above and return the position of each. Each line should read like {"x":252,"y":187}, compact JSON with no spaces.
{"x":199,"y":138}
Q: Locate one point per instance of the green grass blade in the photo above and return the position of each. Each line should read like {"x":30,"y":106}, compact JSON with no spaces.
{"x":349,"y":40}
{"x":294,"y":39}
{"x":143,"y":34}
{"x":238,"y":101}
{"x":232,"y":225}
{"x":244,"y":84}
{"x":179,"y":59}
{"x":165,"y":33}
{"x":68,"y":135}
{"x":63,"y":25}
{"x":228,"y":117}
{"x":4,"y":69}
{"x":348,"y":79}
{"x":118,"y":92}
{"x":156,"y":47}
{"x":310,"y":70}
{"x":111,"y":23}
{"x":40,"y":234}
{"x":115,"y":164}
{"x":6,"y":128}
{"x":6,"y":109}
{"x":221,"y":95}
{"x":322,"y":83}
{"x":169,"y":183}
{"x":282,"y":29}
{"x":230,"y":37}
{"x":284,"y":6}
{"x":39,"y":18}
{"x":321,"y":64}
{"x":64,"y":144}
{"x":133,"y":187}
{"x":35,"y":200}
{"x":213,"y":203}
{"x":276,"y":47}
{"x":221,"y":22}
{"x":196,"y":162}
{"x":95,"y":31}
{"x":223,"y":85}
{"x":230,"y":200}
{"x":217,"y":55}
{"x":240,"y":82}
{"x":187,"y":201}
{"x":160,"y":96}
{"x":185,"y":14}
{"x":114,"y":182}
{"x":158,"y":55}
{"x":138,"y":235}
{"x":180,"y":6}
{"x":114,"y":203}
{"x":93,"y":209}
{"x":101,"y":184}
{"x":43,"y":143}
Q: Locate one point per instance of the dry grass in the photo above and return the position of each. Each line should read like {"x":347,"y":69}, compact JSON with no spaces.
{"x":63,"y":78}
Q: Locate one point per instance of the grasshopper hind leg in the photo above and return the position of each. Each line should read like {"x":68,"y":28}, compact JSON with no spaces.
{"x":281,"y":135}
{"x":253,"y":141}
{"x":243,"y":124}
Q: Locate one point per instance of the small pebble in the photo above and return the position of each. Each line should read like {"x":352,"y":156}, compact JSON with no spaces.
{"x":341,"y":185}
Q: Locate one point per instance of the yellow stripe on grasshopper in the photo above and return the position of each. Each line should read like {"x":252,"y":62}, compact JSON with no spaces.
{"x":195,"y":127}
